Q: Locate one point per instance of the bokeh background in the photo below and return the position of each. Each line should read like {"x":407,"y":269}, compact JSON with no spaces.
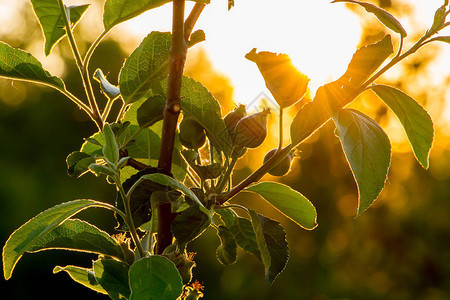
{"x":398,"y":249}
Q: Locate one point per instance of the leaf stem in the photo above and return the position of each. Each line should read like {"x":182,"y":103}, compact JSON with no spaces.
{"x":96,"y":117}
{"x":75,"y":100}
{"x":226,"y":176}
{"x":129,"y":218}
{"x":192,"y":19}
{"x":280,"y":146}
{"x":108,"y":107}
{"x":121,"y":111}
{"x":114,"y":209}
{"x":94,"y":45}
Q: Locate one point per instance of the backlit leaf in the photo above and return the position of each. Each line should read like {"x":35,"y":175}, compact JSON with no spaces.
{"x":151,"y":111}
{"x":189,"y":225}
{"x":415,"y":120}
{"x":445,"y":39}
{"x":110,"y":149}
{"x":78,"y":235}
{"x":176,"y":185}
{"x":271,"y":239}
{"x":368,"y":152}
{"x":82,"y":276}
{"x":20,"y":65}
{"x":51,"y":20}
{"x":118,"y":11}
{"x":155,"y":278}
{"x":78,"y":163}
{"x":23,"y":238}
{"x":199,"y":104}
{"x":287,"y":84}
{"x":242,"y":230}
{"x":289,"y":202}
{"x":383,"y":16}
{"x":145,"y":67}
{"x":226,"y":252}
{"x":112,"y":275}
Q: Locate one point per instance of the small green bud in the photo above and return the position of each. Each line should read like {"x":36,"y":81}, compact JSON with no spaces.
{"x":251,"y":131}
{"x":283,"y":167}
{"x":233,"y":118}
{"x":192,"y":134}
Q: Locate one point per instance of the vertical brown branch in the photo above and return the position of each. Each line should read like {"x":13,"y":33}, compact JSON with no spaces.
{"x":172,"y":110}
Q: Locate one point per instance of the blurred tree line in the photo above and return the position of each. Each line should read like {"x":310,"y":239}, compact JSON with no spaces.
{"x":398,"y":249}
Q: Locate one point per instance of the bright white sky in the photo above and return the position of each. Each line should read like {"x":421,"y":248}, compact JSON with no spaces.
{"x":319,"y":37}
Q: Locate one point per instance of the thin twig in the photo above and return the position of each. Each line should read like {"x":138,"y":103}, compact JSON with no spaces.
{"x":84,"y":77}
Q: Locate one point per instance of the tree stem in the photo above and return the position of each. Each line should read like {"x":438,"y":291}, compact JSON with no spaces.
{"x":177,"y":58}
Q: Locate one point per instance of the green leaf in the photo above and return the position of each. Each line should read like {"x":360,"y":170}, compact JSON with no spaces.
{"x":415,"y":120}
{"x":286,"y":83}
{"x":199,"y":104}
{"x":82,"y":276}
{"x":368,"y":151}
{"x":439,"y":18}
{"x":78,"y":235}
{"x":227,"y":216}
{"x":383,"y":16}
{"x":110,"y":149}
{"x":445,"y":39}
{"x":110,"y":91}
{"x":196,"y":37}
{"x":226,"y":252}
{"x":151,"y":111}
{"x":51,"y":20}
{"x":271,"y":240}
{"x":140,"y":197}
{"x":118,"y":11}
{"x":99,"y":169}
{"x":241,"y":229}
{"x":176,"y":185}
{"x":366,"y":61}
{"x":146,"y":66}
{"x":155,"y":278}
{"x":23,"y":238}
{"x":188,"y":225}
{"x":78,"y":163}
{"x":112,"y":275}
{"x":335,"y":95}
{"x":18,"y":64}
{"x":289,"y":202}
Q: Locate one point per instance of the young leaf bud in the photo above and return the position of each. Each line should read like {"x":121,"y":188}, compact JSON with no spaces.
{"x":192,"y":134}
{"x":233,"y":117}
{"x":251,"y":131}
{"x":283,"y":167}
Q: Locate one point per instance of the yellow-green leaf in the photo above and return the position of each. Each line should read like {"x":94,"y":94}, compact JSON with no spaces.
{"x":368,"y":151}
{"x":289,"y":202}
{"x":415,"y":120}
{"x":51,"y":20}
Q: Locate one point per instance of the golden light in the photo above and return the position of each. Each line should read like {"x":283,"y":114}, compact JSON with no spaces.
{"x":319,"y":37}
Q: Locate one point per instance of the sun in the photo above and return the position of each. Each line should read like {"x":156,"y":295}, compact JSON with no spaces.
{"x":319,"y":37}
